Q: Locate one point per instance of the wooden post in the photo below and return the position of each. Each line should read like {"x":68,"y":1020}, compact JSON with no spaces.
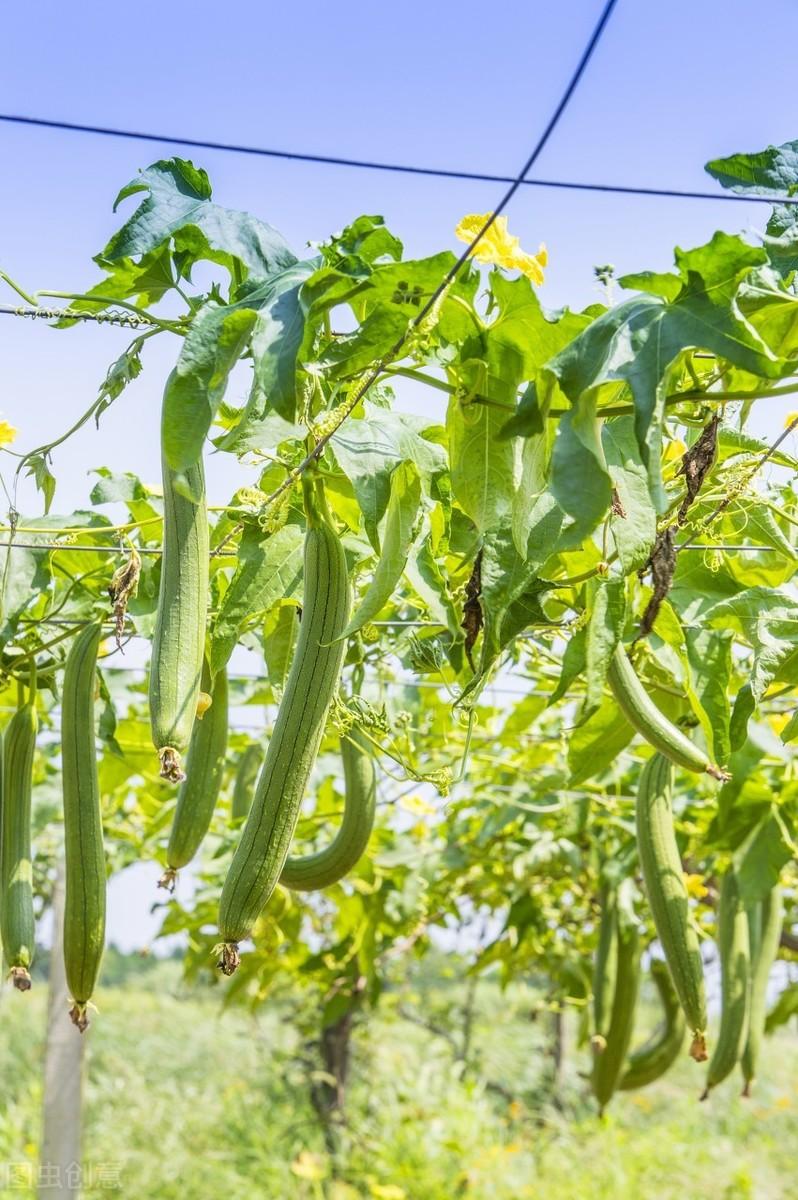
{"x":59,"y":1161}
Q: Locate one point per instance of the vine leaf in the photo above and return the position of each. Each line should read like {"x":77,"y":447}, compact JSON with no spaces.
{"x":483,"y":467}
{"x":768,"y":620}
{"x":369,"y":449}
{"x":773,"y":171}
{"x":639,"y":340}
{"x":709,"y":664}
{"x":397,"y":538}
{"x":759,"y":861}
{"x":579,"y":455}
{"x":278,"y":332}
{"x":38,"y":467}
{"x":598,"y":742}
{"x":269,"y":569}
{"x":196,"y":386}
{"x":574,"y":662}
{"x":276,"y":342}
{"x":634,"y":524}
{"x":146,"y":282}
{"x":178,"y":198}
{"x":604,"y":632}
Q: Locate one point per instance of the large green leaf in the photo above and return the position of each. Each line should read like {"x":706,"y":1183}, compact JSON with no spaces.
{"x":773,"y":171}
{"x":269,"y":569}
{"x":759,"y":860}
{"x":709,"y":659}
{"x":194,"y":389}
{"x":580,"y":481}
{"x":768,"y":620}
{"x":270,"y":320}
{"x":369,"y":449}
{"x":597,"y":743}
{"x":639,"y":340}
{"x":276,"y":342}
{"x":146,"y":281}
{"x":483,"y":467}
{"x":604,"y":633}
{"x":178,"y":197}
{"x":633,"y":518}
{"x":397,"y":538}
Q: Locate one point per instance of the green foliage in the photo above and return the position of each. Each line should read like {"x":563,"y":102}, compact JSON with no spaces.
{"x":502,"y":559}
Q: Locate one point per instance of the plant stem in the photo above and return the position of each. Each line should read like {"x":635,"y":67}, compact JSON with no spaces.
{"x":177,"y":326}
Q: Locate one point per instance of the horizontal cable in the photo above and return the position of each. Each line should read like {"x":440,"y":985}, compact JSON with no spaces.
{"x":156,"y":551}
{"x":107,"y":317}
{"x":364,"y":164}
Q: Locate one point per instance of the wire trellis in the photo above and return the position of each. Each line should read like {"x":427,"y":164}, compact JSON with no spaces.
{"x":364,"y":164}
{"x":110,"y":316}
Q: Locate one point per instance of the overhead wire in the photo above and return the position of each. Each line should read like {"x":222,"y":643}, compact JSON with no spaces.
{"x":367,"y":164}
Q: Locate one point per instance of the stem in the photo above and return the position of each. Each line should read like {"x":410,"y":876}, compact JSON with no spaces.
{"x":15,"y":286}
{"x":573,"y":580}
{"x":89,"y":530}
{"x":461,"y":774}
{"x":611,"y":410}
{"x":170,"y":326}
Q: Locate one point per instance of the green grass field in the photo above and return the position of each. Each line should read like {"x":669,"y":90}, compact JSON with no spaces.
{"x":183,"y":1101}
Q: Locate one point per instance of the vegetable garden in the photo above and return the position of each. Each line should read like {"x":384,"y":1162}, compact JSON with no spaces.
{"x":525,"y":678}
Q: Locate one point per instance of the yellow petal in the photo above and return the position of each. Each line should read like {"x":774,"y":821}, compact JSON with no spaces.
{"x":308,"y":1166}
{"x":416,"y":804}
{"x":7,"y":433}
{"x":788,"y":420}
{"x":695,"y":886}
{"x":674,"y":449}
{"x":498,"y":247}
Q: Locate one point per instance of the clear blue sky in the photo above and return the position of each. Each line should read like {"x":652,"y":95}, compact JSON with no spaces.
{"x":461,"y":85}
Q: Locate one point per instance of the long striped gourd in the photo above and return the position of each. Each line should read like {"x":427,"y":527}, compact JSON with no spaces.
{"x":16,"y":866}
{"x":659,"y":1053}
{"x":244,"y":783}
{"x":309,"y":691}
{"x":667,"y":895}
{"x":84,"y":852}
{"x":765,"y":922}
{"x":199,"y":791}
{"x":179,"y":640}
{"x":608,"y":1065}
{"x":327,"y":866}
{"x":735,"y":964}
{"x":605,"y":967}
{"x":643,"y":715}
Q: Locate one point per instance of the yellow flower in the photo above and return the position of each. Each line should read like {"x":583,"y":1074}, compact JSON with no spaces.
{"x":499,"y":248}
{"x":673,"y":450}
{"x":7,"y":433}
{"x":695,"y":886}
{"x":417,"y":805}
{"x":308,"y":1166}
{"x":386,"y":1191}
{"x":788,"y":420}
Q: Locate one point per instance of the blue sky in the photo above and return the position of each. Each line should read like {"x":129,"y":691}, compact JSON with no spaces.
{"x":456,"y":85}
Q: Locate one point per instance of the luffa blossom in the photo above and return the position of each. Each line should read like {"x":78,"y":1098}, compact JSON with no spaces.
{"x":500,"y":248}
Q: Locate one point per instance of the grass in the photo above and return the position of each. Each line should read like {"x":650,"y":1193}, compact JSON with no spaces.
{"x":185,"y":1102}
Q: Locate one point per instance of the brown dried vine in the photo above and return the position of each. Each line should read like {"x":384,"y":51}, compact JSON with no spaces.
{"x":123,"y":585}
{"x":697,"y":463}
{"x":473,"y":619}
{"x":695,"y":466}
